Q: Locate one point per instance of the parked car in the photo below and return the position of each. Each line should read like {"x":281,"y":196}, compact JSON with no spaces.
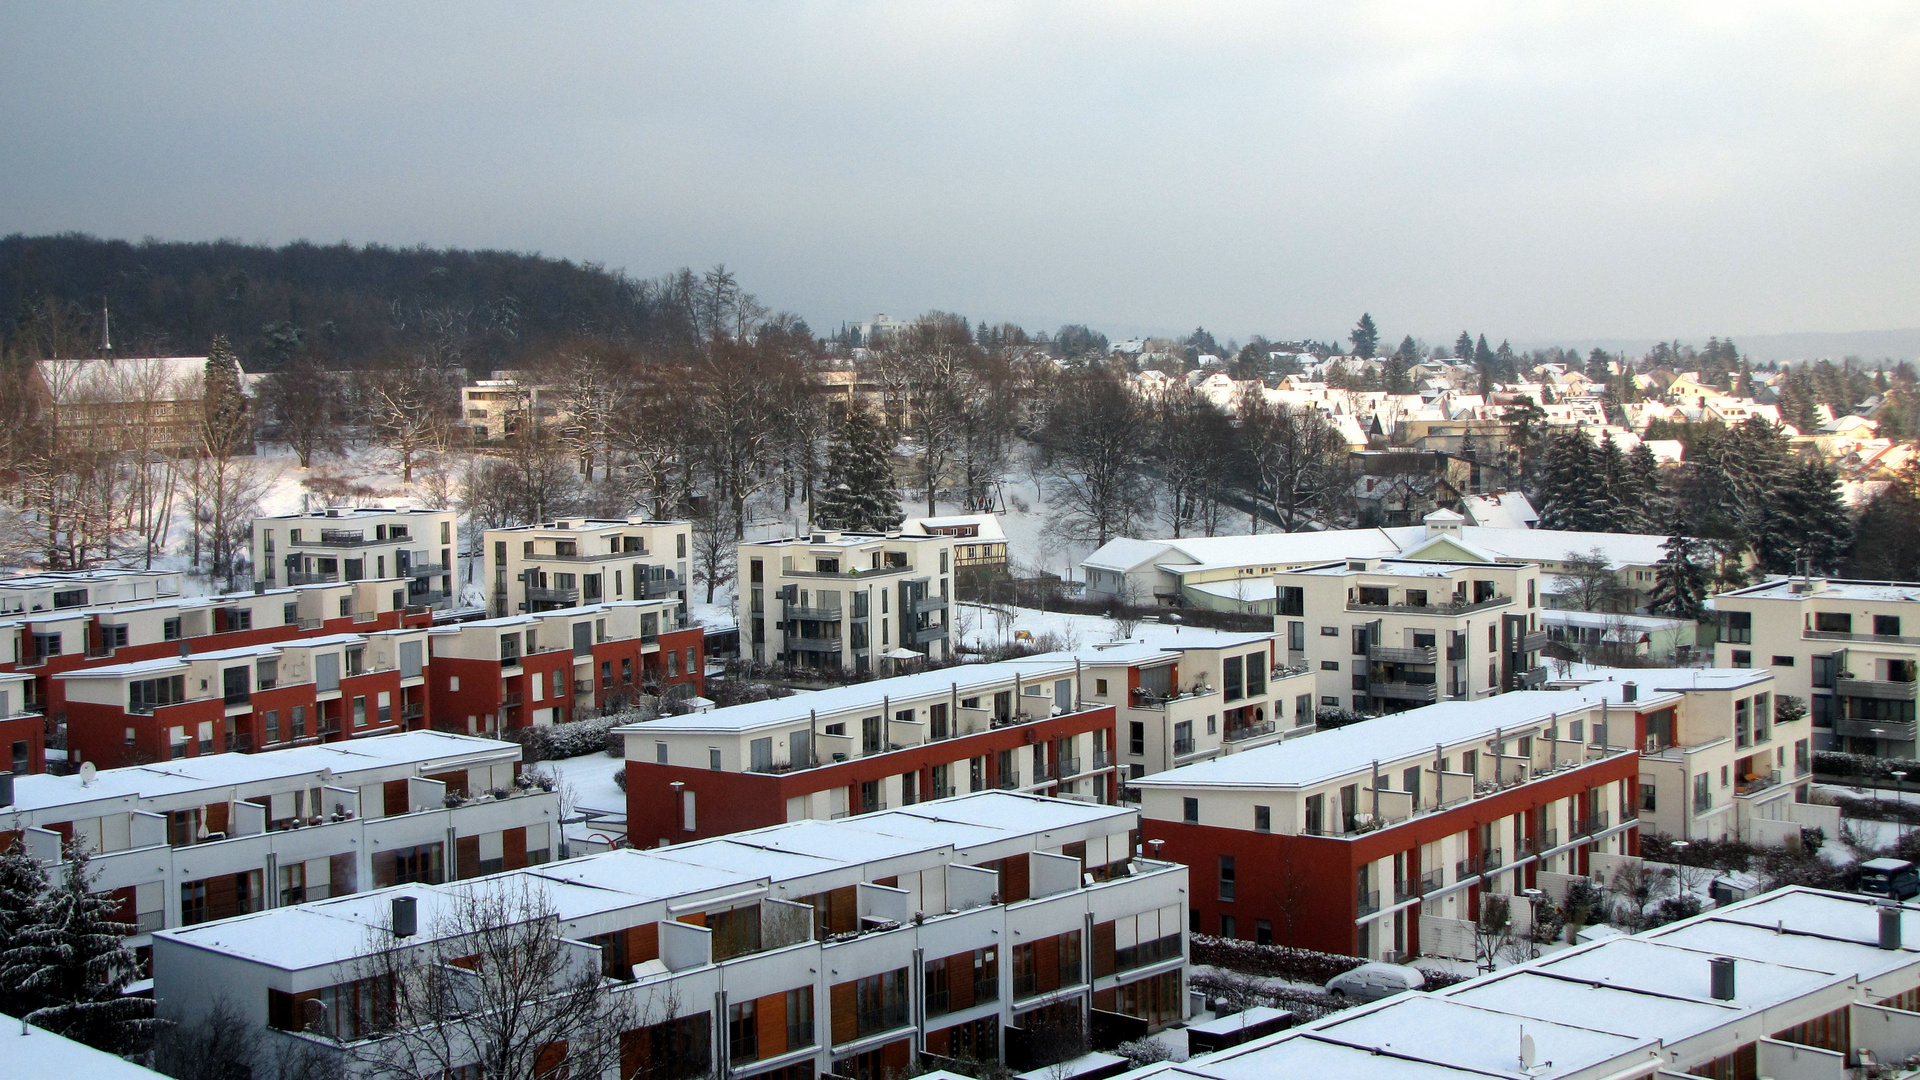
{"x":1373,"y":981}
{"x":1894,"y":879}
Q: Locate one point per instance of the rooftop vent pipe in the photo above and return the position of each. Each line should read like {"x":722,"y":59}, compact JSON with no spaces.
{"x":406,"y":917}
{"x":1721,"y":982}
{"x":1889,"y":916}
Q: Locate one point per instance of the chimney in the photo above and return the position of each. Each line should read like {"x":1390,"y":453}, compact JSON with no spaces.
{"x":1721,"y":970}
{"x":406,"y":919}
{"x":1889,"y":922}
{"x":1629,"y":692}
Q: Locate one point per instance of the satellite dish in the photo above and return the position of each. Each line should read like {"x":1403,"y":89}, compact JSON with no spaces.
{"x":87,"y":773}
{"x":326,"y":776}
{"x":1528,"y":1055}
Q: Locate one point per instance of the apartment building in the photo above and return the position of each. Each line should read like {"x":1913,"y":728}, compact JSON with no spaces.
{"x":1197,"y":696}
{"x":180,"y":843}
{"x":1233,"y":573}
{"x":840,"y":601}
{"x":978,"y":540}
{"x":1794,"y":983}
{"x":50,"y":590}
{"x":1385,"y":635}
{"x":1017,"y":725}
{"x":1718,"y":760}
{"x":566,"y":563}
{"x":361,"y":543}
{"x":23,"y":731}
{"x":950,"y":929}
{"x":310,"y":689}
{"x":48,"y":642}
{"x":551,"y":666}
{"x":1380,"y":838}
{"x":503,"y":406}
{"x":1839,"y":646}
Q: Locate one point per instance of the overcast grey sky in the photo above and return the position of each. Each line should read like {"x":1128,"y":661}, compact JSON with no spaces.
{"x":1530,"y":170}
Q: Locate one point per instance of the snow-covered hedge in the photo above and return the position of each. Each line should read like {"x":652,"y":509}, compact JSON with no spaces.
{"x":571,"y":739}
{"x":1864,"y":766}
{"x":1284,"y":962}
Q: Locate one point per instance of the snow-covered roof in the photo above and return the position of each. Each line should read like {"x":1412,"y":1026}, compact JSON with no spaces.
{"x":1783,"y":588}
{"x":431,"y":749}
{"x":329,"y":932}
{"x":988,"y":524}
{"x":1124,"y":553}
{"x":130,"y":379}
{"x":34,"y":1053}
{"x":1327,"y":755}
{"x":1500,"y":510}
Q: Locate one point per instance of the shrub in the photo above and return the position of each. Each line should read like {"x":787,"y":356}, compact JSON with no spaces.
{"x":1286,"y":962}
{"x":571,"y":739}
{"x":1585,"y":904}
{"x":1864,"y":767}
{"x":1675,"y":908}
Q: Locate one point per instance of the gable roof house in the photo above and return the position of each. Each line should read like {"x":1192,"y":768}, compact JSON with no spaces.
{"x":152,"y":404}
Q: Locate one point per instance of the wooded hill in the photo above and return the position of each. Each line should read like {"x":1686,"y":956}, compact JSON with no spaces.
{"x":343,"y":305}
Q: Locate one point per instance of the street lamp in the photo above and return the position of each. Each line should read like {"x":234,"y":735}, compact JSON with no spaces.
{"x":1900,"y":796}
{"x":1534,"y":897}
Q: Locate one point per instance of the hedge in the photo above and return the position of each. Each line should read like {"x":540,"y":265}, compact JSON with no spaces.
{"x":1285,"y":962}
{"x":1840,"y":765}
{"x":571,"y":739}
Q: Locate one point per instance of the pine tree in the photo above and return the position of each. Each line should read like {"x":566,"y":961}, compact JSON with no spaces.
{"x":1568,"y":495}
{"x":858,"y":492}
{"x":71,"y":966}
{"x":1680,"y":579}
{"x":1365,"y":336}
{"x":1463,"y":347}
{"x":1398,"y":362}
{"x":1647,"y":503}
{"x":21,"y":884}
{"x":1805,"y":521}
{"x":1615,"y":503}
{"x":225,"y":404}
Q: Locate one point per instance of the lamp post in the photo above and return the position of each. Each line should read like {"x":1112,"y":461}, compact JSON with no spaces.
{"x":1900,"y":796}
{"x":1534,"y":897}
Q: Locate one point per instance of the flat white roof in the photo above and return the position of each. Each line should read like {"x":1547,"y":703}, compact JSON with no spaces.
{"x":34,"y":1053}
{"x":1327,"y":755}
{"x":327,"y":932}
{"x":1781,"y":588}
{"x":42,"y":791}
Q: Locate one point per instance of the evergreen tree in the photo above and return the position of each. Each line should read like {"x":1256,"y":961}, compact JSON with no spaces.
{"x":1806,"y":520}
{"x":858,"y":492}
{"x":1887,"y":543}
{"x":225,"y":404}
{"x":71,"y":966}
{"x":1568,"y":497}
{"x":21,"y":884}
{"x":1365,"y":336}
{"x":1647,"y":503}
{"x":1680,"y":580}
{"x":1403,"y":358}
{"x":1615,"y":506}
{"x":1463,"y":347}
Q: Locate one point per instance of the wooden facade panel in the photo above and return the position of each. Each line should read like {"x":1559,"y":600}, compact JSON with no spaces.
{"x":845,"y":1022}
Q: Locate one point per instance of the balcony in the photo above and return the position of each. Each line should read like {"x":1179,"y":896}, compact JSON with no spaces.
{"x":922,"y":637}
{"x":1251,"y":731}
{"x":1102,"y":759}
{"x":295,"y":577}
{"x":510,"y":701}
{"x":1367,"y":903}
{"x":1008,"y":781}
{"x":1477,"y":865}
{"x":928,"y":604}
{"x":815,"y":614}
{"x":1597,"y":823}
{"x":1897,"y":730}
{"x":432,"y":569}
{"x":1753,"y":785}
{"x":1876,"y":690}
{"x":813,"y":645}
{"x":1404,"y":891}
{"x":1866,"y":639}
{"x":659,"y":587}
{"x":1146,"y":699}
{"x":1067,"y":767}
{"x":1404,"y":691}
{"x":562,"y":597}
{"x":412,"y":712}
{"x":1433,"y":881}
{"x":1390,"y":654}
{"x":1182,"y":747}
{"x":1547,"y":840}
{"x":1450,"y":608}
{"x":348,"y":538}
{"x":1534,"y":642}
{"x":849,"y":575}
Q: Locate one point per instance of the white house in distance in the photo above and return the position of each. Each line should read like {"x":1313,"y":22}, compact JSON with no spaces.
{"x":1235,"y":573}
{"x":356,"y":544}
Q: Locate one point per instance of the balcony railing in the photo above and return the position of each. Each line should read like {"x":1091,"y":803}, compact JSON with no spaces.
{"x":1404,"y":891}
{"x":1534,"y":642}
{"x":1067,"y":767}
{"x":1404,"y":691}
{"x":1876,"y":689}
{"x":925,"y":636}
{"x":1393,"y":654}
{"x":1477,"y":865}
{"x":1757,"y":784}
{"x":412,"y":712}
{"x":510,"y":701}
{"x":432,"y":569}
{"x":929,"y":603}
{"x":1449,"y":608}
{"x":869,"y":572}
{"x":1597,"y":823}
{"x":1251,"y":731}
{"x":1433,"y":881}
{"x":1146,"y":699}
{"x":1870,"y":639}
{"x":1183,"y":746}
{"x":1897,"y":730}
{"x":815,"y":614}
{"x":1367,"y":903}
{"x":295,"y":577}
{"x":1548,"y":839}
{"x":813,"y":645}
{"x":1102,"y":759}
{"x":659,"y":587}
{"x":1008,"y":781}
{"x":568,"y":597}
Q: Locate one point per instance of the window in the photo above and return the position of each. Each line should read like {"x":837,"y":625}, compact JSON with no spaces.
{"x":1742,"y":658}
{"x":1262,"y":932}
{"x":743,"y":1033}
{"x":272,"y":720}
{"x":1822,"y":673}
{"x":1826,"y":622}
{"x":1702,"y":794}
{"x":1136,"y":738}
{"x":1781,"y":661}
{"x":1330,"y":665}
{"x":800,"y":1018}
{"x":1190,"y":811}
{"x":1263,"y":819}
{"x":1100,"y":687}
{"x":1256,"y":674}
{"x":1886,"y":625}
{"x":1736,"y":627}
{"x":1231,"y":684}
{"x":149,"y":694}
{"x":1329,"y":631}
{"x":1228,"y":927}
{"x":713,"y":758}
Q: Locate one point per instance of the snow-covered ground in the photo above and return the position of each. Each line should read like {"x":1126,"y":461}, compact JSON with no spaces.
{"x":981,"y":626}
{"x":587,"y":791}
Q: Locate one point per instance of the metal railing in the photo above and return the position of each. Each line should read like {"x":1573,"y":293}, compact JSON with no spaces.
{"x":1067,"y":767}
{"x":1183,"y":746}
{"x":510,"y":701}
{"x":1404,"y":691}
{"x":295,"y":577}
{"x":1393,"y":654}
{"x":1433,"y":881}
{"x":1008,"y":781}
{"x":815,"y":614}
{"x":928,"y":604}
{"x":1478,"y":865}
{"x":432,"y":569}
{"x":1251,"y":731}
{"x":1548,"y":839}
{"x":1872,"y":639}
{"x":1448,"y":608}
{"x":813,"y":645}
{"x":1534,"y":642}
{"x":1102,"y":759}
{"x":1876,"y":689}
{"x":1144,"y":699}
{"x":552,"y":596}
{"x":1897,"y":730}
{"x":1595,"y":823}
{"x":1367,"y":903}
{"x":1761,"y":783}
